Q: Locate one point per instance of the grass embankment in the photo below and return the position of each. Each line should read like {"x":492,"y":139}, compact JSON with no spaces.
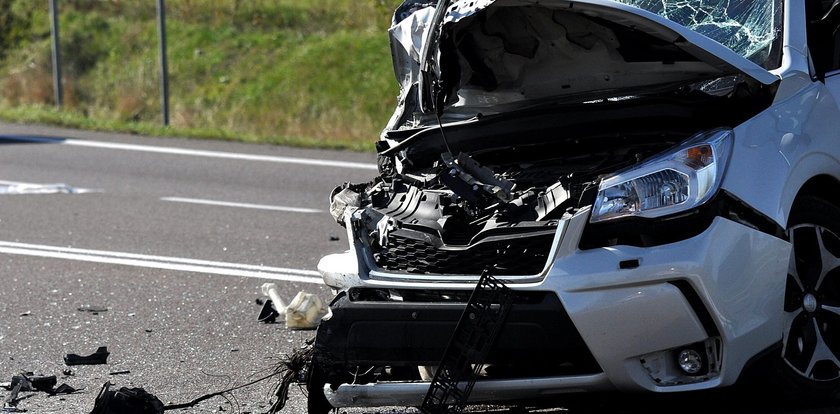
{"x":309,"y":73}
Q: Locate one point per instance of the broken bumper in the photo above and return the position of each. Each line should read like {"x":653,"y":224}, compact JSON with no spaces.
{"x":411,"y":393}
{"x":632,"y":307}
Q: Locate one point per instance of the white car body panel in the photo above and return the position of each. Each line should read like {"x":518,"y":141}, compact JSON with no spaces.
{"x":738,"y":272}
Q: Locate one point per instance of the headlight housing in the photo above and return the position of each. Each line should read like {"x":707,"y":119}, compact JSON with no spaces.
{"x":680,"y":179}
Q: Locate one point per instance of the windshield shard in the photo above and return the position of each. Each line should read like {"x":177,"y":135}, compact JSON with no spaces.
{"x":747,"y":27}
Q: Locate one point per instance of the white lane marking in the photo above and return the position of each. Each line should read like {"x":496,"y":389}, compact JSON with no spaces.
{"x":219,"y":154}
{"x":162,"y":262}
{"x":241,"y":205}
{"x":196,"y":153}
{"x":156,"y":258}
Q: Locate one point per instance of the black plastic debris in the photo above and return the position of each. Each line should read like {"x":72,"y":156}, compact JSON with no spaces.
{"x":11,"y":401}
{"x":119,"y":372}
{"x":96,"y":310}
{"x":64,"y":389}
{"x":334,"y":238}
{"x":268,"y":314}
{"x":474,"y":336}
{"x":294,"y":368}
{"x":27,"y":313}
{"x":96,"y":358}
{"x":126,"y":401}
{"x":31,"y":382}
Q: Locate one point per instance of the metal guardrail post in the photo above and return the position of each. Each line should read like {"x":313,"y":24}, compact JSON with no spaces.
{"x":164,"y":70}
{"x":58,"y":88}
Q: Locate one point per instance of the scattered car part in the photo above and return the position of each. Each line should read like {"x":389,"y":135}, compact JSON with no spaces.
{"x":267,"y":312}
{"x":270,"y":289}
{"x":306,"y":311}
{"x":26,"y":188}
{"x":11,"y":401}
{"x":30,"y":382}
{"x":471,"y":342}
{"x":96,"y":310}
{"x":64,"y":389}
{"x":295,"y":368}
{"x":97,"y":358}
{"x":126,"y":401}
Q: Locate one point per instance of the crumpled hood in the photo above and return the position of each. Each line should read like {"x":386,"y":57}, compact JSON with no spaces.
{"x":491,"y":56}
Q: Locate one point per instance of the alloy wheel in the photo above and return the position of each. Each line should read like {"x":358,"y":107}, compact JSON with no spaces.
{"x":812,"y":304}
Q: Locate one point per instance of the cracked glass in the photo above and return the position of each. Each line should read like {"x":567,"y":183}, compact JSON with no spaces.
{"x":748,"y":27}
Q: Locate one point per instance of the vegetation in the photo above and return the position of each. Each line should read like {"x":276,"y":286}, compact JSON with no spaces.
{"x":313,"y":73}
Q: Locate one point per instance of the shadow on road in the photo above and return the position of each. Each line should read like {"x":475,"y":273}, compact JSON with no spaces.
{"x":727,"y":401}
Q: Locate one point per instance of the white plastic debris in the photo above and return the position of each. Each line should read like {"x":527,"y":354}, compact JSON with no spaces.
{"x":270,"y":289}
{"x":306,"y":311}
{"x":14,"y":188}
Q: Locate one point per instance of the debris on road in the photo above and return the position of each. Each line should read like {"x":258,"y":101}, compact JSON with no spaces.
{"x":26,"y":188}
{"x":126,"y":401}
{"x":119,"y":372}
{"x":306,"y":311}
{"x":267,"y":313}
{"x":68,"y":372}
{"x":270,"y":290}
{"x":96,"y":310}
{"x":11,"y":401}
{"x":96,"y":358}
{"x":65,"y":389}
{"x":195,"y":402}
{"x":292,"y":369}
{"x":335,"y":238}
{"x":31,"y":382}
{"x":27,"y":313}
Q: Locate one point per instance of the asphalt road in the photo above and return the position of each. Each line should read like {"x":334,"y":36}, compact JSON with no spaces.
{"x":174,"y":237}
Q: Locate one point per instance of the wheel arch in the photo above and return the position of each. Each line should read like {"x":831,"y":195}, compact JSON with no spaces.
{"x":823,"y":186}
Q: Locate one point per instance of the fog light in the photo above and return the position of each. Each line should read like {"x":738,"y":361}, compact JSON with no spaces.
{"x":690,"y":361}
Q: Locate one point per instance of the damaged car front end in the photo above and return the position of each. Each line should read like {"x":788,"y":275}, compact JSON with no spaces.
{"x":620,"y":165}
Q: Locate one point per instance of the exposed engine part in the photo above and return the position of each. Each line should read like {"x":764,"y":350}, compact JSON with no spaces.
{"x":470,"y":180}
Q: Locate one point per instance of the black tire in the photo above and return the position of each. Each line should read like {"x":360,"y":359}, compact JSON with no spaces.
{"x":316,"y":402}
{"x":809,"y":366}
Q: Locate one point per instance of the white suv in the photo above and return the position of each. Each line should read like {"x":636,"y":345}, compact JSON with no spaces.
{"x":657,"y":180}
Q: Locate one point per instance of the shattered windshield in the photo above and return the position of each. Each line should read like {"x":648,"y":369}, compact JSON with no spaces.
{"x":748,"y":27}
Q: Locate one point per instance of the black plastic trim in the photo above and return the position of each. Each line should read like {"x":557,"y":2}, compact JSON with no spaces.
{"x":646,"y":232}
{"x":378,"y":327}
{"x":697,"y":306}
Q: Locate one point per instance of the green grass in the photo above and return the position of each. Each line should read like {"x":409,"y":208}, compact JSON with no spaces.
{"x":307,"y":73}
{"x":40,"y":114}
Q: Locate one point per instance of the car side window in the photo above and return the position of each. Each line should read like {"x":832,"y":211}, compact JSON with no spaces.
{"x":824,"y":35}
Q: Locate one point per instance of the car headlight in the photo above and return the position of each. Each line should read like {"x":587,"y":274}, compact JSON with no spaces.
{"x":680,"y":179}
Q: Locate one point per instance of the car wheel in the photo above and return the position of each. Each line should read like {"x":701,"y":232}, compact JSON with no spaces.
{"x":811,"y":341}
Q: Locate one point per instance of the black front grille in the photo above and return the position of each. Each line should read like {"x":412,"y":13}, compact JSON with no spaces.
{"x":513,"y":255}
{"x":537,"y":339}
